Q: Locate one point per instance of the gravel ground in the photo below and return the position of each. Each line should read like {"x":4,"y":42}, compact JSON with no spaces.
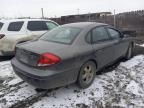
{"x":120,"y":86}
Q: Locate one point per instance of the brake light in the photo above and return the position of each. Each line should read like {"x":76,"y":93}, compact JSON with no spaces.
{"x":1,"y":36}
{"x":47,"y":59}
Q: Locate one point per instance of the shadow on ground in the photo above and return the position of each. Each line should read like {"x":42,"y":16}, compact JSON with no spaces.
{"x":138,"y":50}
{"x":5,"y":58}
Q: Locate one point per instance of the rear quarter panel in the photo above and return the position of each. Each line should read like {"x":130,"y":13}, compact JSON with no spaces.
{"x":9,"y":42}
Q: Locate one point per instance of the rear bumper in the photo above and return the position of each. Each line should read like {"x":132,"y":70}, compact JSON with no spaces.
{"x":7,"y":47}
{"x":6,"y":53}
{"x":51,"y":79}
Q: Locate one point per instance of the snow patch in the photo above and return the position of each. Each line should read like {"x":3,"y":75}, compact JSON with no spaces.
{"x":6,"y":70}
{"x":15,"y":96}
{"x":133,"y":62}
{"x":14,"y":81}
{"x":133,"y":88}
{"x":142,"y":45}
{"x":69,"y":97}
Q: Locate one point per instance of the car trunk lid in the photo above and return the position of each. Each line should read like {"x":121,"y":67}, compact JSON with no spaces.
{"x":27,"y":57}
{"x":29,"y":52}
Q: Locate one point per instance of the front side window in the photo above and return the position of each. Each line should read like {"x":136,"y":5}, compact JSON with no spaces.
{"x":113,"y":33}
{"x":99,"y":34}
{"x":37,"y":26}
{"x":1,"y":24}
{"x":15,"y":26}
{"x":61,"y":35}
{"x":51,"y":25}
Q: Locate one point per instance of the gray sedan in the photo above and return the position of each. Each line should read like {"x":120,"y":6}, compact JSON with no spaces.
{"x":70,"y":53}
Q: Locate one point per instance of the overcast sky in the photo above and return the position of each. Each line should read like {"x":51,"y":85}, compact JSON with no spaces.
{"x":52,"y":8}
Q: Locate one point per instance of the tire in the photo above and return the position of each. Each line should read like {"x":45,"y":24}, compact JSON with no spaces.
{"x":129,"y":53}
{"x":86,"y":75}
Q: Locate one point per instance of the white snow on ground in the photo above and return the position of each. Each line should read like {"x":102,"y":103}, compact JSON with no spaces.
{"x":5,"y":69}
{"x":69,"y":97}
{"x":24,"y":92}
{"x":142,"y":45}
{"x":121,"y":87}
{"x":14,"y":81}
{"x":134,"y":88}
{"x":133,"y":62}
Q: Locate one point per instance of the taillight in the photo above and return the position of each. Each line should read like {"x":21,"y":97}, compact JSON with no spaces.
{"x":47,"y":59}
{"x":1,"y":36}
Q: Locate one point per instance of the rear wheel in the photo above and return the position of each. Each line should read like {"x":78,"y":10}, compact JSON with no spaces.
{"x":87,"y":74}
{"x":129,"y":53}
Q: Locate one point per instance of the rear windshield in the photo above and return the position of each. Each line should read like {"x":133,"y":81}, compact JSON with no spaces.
{"x":15,"y":26}
{"x":1,"y":24}
{"x":61,"y":35}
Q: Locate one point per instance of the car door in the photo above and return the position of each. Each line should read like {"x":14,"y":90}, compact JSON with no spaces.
{"x":103,"y":46}
{"x":121,"y":44}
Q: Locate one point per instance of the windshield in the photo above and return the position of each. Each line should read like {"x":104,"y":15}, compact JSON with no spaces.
{"x":1,"y":24}
{"x":61,"y":35}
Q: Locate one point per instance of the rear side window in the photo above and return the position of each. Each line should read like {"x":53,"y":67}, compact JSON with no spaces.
{"x":15,"y":26}
{"x":37,"y":26}
{"x":88,"y":37}
{"x":99,"y":34}
{"x":1,"y":24}
{"x":51,"y":25}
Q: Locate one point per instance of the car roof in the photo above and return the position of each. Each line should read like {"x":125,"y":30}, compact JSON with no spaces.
{"x":15,"y":20}
{"x":84,"y":24}
{"x":2,"y":20}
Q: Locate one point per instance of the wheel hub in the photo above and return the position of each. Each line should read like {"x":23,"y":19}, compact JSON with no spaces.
{"x":87,"y":74}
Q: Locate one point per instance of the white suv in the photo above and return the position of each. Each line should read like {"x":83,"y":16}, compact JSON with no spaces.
{"x":17,"y":31}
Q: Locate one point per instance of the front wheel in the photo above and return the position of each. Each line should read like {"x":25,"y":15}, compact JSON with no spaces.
{"x":86,"y":75}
